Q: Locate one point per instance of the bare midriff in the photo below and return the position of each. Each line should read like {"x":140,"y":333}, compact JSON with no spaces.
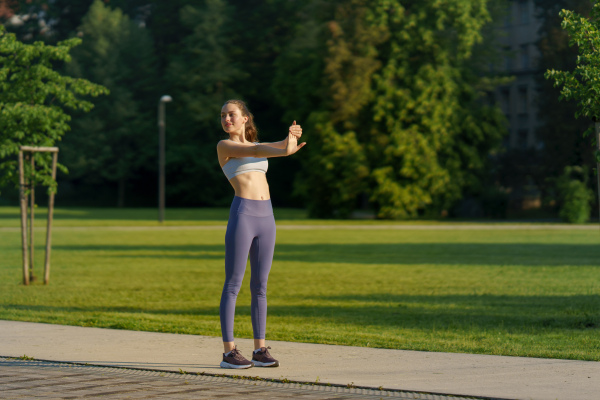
{"x":251,"y":185}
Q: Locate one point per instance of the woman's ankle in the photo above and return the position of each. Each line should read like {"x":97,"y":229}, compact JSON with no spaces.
{"x":228,"y":346}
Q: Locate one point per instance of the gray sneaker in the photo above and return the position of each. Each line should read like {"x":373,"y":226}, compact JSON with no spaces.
{"x":235,"y":360}
{"x":262,"y":358}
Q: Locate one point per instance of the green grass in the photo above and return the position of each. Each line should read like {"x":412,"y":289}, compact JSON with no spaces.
{"x":509,"y":292}
{"x":10,"y":216}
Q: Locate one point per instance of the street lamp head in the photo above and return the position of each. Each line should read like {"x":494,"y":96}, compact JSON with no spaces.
{"x":166,"y":99}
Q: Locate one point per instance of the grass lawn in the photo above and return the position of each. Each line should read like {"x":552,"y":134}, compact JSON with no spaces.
{"x":504,"y":291}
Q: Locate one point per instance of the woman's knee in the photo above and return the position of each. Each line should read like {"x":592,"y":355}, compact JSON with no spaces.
{"x":258,"y":287}
{"x":233,"y":286}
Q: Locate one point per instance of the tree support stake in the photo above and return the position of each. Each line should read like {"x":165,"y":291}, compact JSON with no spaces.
{"x":26,"y":195}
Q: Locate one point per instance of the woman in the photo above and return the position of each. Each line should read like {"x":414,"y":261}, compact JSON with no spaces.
{"x":251,"y":226}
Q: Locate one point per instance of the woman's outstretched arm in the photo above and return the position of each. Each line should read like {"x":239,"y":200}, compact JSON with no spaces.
{"x":228,"y":148}
{"x":286,"y":147}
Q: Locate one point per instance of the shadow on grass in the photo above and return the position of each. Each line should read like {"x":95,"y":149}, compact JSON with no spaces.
{"x":145,"y":214}
{"x":131,"y":214}
{"x":513,"y":314}
{"x":114,"y":309}
{"x":497,"y":254}
{"x":518,"y":313}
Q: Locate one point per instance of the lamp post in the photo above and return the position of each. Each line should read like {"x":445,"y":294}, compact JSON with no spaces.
{"x":161,"y":156}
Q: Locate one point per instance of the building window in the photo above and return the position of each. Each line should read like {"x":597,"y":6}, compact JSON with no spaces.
{"x":523,"y":103}
{"x":524,"y":12}
{"x":508,"y":15}
{"x":523,"y":121}
{"x":524,"y":53}
{"x":505,"y":101}
{"x":490,"y":99}
{"x":522,"y":138}
{"x":508,"y":59}
{"x":506,"y":139}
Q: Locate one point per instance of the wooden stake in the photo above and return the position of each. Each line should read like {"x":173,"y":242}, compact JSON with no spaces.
{"x":23,"y":219}
{"x":28,"y":258}
{"x":31,"y":217}
{"x":49,"y":226}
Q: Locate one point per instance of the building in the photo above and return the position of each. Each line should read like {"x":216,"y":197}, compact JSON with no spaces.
{"x":518,"y":35}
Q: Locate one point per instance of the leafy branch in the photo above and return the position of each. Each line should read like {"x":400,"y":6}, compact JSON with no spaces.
{"x":33,"y":100}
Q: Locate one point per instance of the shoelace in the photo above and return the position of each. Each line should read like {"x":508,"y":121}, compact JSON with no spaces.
{"x":266,"y":352}
{"x":235,"y":353}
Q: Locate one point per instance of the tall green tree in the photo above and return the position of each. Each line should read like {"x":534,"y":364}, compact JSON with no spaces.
{"x":561,"y":132}
{"x":54,"y":20}
{"x":201,"y":78}
{"x":117,"y":141}
{"x":34,"y":98}
{"x":583,"y":83}
{"x":46,"y":20}
{"x":398,"y":119}
{"x":163,"y":22}
{"x":257,"y":40}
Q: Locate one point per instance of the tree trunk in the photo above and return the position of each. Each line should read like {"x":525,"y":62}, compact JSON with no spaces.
{"x":49,"y":223}
{"x":31,"y":217}
{"x":121,"y":193}
{"x":23,"y":201}
{"x":598,"y":165}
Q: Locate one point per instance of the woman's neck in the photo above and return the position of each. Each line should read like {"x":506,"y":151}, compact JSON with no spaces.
{"x":241,"y":138}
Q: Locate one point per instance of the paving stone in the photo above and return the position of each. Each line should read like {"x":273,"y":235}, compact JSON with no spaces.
{"x":31,"y":379}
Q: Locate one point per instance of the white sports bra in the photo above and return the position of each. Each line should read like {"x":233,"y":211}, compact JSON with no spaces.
{"x":238,"y":166}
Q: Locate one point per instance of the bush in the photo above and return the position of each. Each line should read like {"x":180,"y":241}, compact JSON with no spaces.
{"x":574,"y":195}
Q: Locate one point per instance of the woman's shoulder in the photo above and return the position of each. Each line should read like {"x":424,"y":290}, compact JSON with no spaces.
{"x":231,"y":143}
{"x":224,"y":143}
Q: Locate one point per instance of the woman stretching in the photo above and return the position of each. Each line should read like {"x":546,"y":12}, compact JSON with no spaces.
{"x":251,"y":226}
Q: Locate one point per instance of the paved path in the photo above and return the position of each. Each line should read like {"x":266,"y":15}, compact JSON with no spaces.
{"x":32,"y":379}
{"x":399,"y":373}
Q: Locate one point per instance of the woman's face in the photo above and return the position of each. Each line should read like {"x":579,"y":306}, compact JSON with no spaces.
{"x":232,"y":120}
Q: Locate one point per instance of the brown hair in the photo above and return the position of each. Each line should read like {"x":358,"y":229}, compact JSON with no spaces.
{"x":251,"y":132}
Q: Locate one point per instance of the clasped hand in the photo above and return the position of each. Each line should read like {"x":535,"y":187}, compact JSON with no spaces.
{"x":294,"y":134}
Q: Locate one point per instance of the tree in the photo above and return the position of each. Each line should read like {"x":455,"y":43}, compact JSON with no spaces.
{"x":33,"y":101}
{"x":398,"y":113}
{"x":47,"y":20}
{"x":583,"y":83}
{"x":560,"y":130}
{"x":201,"y":79}
{"x":116,"y":142}
{"x":55,"y":20}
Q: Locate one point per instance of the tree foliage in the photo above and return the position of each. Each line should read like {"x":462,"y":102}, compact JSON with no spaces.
{"x":34,"y":98}
{"x":560,"y":131}
{"x":397,"y":94}
{"x":201,"y":78}
{"x":583,"y":83}
{"x":389,"y":94}
{"x":55,"y":20}
{"x":118,"y":138}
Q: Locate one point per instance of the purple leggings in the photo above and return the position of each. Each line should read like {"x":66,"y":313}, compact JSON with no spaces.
{"x":250,"y":230}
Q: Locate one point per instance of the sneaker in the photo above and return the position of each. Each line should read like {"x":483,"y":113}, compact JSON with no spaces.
{"x":235,"y":360}
{"x":262,"y":358}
